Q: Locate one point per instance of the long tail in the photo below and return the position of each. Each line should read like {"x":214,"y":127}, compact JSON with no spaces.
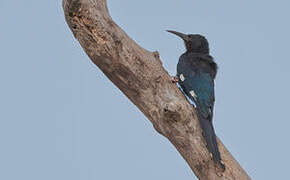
{"x":210,"y":138}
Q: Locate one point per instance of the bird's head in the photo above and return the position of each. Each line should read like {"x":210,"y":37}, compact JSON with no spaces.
{"x":193,"y":42}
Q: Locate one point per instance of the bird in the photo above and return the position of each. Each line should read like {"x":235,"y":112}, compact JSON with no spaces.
{"x":196,"y":72}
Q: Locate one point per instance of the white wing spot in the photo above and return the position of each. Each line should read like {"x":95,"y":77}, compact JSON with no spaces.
{"x":182,"y":77}
{"x":209,"y":110}
{"x":192,"y":93}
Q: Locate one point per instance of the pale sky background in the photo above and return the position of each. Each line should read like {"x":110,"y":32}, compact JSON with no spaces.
{"x":62,"y":119}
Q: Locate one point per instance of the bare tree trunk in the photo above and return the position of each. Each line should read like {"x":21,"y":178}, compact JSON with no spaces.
{"x":141,"y":77}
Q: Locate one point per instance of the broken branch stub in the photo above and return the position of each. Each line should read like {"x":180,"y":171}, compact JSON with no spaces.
{"x":139,"y":74}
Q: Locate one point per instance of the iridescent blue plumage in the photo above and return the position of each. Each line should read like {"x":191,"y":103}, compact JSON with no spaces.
{"x":196,"y":72}
{"x":196,"y":76}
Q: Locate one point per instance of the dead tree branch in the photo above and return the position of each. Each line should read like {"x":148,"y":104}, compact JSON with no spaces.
{"x":141,"y":77}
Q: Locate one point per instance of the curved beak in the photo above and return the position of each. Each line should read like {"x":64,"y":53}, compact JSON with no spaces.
{"x":181,"y":35}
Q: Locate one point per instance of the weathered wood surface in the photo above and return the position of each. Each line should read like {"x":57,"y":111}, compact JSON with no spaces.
{"x":139,"y":74}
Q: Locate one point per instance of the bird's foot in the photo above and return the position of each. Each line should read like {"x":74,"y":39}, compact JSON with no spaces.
{"x":174,"y":79}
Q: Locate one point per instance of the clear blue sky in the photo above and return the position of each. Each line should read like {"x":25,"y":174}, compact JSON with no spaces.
{"x":62,"y":119}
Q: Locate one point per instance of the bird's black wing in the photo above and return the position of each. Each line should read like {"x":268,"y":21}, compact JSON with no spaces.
{"x":198,"y":85}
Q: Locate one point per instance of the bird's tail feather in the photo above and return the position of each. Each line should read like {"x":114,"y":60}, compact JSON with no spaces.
{"x":210,"y":138}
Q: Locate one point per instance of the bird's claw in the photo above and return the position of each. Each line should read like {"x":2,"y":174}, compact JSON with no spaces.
{"x":174,"y":79}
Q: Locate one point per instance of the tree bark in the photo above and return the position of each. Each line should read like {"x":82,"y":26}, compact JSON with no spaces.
{"x":139,"y":74}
